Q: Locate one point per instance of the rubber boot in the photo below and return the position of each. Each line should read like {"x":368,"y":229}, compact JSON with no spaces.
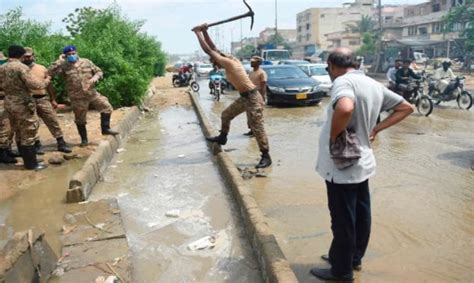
{"x":39,"y":148}
{"x":12,"y":153}
{"x":220,"y":139}
{"x":105,"y":124}
{"x":28,"y":153}
{"x":5,"y":157}
{"x":62,"y":146}
{"x":265,"y":161}
{"x":249,"y":134}
{"x":83,"y":133}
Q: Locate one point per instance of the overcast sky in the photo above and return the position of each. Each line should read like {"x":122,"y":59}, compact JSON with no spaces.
{"x":170,"y":21}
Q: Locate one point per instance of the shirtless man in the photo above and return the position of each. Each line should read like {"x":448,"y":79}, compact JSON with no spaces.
{"x":250,"y":100}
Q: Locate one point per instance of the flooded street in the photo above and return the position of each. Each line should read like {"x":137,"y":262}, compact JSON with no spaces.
{"x":167,"y":166}
{"x":422,"y":194}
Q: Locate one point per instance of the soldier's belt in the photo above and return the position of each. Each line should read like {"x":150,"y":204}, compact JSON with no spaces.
{"x":247,"y":93}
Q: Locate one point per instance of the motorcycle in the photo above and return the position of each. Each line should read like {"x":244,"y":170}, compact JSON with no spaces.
{"x":414,"y":95}
{"x":462,"y":96}
{"x":217,"y":86}
{"x":182,"y":81}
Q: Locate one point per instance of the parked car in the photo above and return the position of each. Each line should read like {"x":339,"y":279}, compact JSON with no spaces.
{"x":293,"y":62}
{"x":318,"y":73}
{"x":203,"y":69}
{"x":288,"y":84}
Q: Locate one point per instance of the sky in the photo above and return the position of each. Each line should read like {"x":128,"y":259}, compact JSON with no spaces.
{"x":170,"y":21}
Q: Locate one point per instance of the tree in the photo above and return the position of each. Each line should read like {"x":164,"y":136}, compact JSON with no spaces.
{"x":462,"y":16}
{"x":366,"y":24}
{"x":246,"y":52}
{"x":368,"y":44}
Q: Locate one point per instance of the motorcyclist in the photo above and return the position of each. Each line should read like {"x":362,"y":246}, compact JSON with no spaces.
{"x":391,"y":74}
{"x":444,"y":77}
{"x":185,"y":72}
{"x":403,"y":76}
{"x":215,"y":72}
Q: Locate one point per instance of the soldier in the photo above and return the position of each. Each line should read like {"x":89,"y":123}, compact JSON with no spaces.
{"x":249,"y":101}
{"x":44,"y":106}
{"x":6,"y":135}
{"x":81,"y":75}
{"x":259,"y":79}
{"x":21,"y":108}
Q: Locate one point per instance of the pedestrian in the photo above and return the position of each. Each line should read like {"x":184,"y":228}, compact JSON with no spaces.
{"x":391,"y":74}
{"x":6,"y":134}
{"x":259,"y":79}
{"x":249,"y":101}
{"x":81,"y":75}
{"x":45,"y":100}
{"x":18,"y":84}
{"x":346,"y":160}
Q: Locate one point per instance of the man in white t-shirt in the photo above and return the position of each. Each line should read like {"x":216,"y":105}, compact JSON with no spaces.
{"x":356,"y":101}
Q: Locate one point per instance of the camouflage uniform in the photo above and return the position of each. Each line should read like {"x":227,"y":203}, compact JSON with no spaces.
{"x":77,"y":76}
{"x":44,"y":109}
{"x":252,"y":103}
{"x":20,"y":105}
{"x":6,"y":134}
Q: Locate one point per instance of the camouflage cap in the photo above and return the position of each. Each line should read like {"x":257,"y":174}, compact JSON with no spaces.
{"x":256,"y":59}
{"x":2,"y":57}
{"x":29,"y":51}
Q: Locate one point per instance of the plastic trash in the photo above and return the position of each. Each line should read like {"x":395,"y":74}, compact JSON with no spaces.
{"x":207,"y":242}
{"x":173,"y":213}
{"x":119,"y":150}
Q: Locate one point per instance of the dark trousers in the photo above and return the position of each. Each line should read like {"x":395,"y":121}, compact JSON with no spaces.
{"x":349,"y":205}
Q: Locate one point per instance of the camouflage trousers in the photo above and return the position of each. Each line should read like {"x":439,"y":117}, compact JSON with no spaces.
{"x":80,"y":106}
{"x":23,"y":119}
{"x":248,"y":117}
{"x":45,"y":111}
{"x":6,"y":134}
{"x":253,"y":105}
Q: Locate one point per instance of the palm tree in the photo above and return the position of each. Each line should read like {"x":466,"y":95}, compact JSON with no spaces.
{"x":366,"y":24}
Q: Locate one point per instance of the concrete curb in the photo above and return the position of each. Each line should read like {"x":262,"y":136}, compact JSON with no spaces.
{"x":83,"y":181}
{"x":274,"y":267}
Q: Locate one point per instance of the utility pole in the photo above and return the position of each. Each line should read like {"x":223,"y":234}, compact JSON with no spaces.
{"x":380,"y":52}
{"x":276,"y":18}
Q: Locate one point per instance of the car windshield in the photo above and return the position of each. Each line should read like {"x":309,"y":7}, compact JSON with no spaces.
{"x":277,"y":55}
{"x":285,"y":73}
{"x":205,"y":66}
{"x":318,"y":71}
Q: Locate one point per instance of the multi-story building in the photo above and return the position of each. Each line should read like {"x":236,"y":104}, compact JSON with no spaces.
{"x":235,"y":46}
{"x":313,"y":25}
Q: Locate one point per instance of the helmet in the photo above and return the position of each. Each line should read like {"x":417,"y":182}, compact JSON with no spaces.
{"x":446,"y":61}
{"x":190,"y":65}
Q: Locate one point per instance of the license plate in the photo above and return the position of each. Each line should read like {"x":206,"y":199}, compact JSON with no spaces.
{"x":301,"y":96}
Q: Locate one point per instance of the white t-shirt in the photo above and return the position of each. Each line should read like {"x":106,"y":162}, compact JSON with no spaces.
{"x":370,"y":98}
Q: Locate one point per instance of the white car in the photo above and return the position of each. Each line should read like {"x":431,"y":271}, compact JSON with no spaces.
{"x":318,"y":73}
{"x":203,"y":69}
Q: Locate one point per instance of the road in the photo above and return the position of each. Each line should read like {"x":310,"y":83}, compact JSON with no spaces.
{"x":423,"y":217}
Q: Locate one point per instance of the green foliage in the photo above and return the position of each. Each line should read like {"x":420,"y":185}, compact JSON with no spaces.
{"x":129,"y":58}
{"x":246,"y":52}
{"x":462,"y":15}
{"x":368,"y":44}
{"x":366,"y":24}
{"x":278,"y":40}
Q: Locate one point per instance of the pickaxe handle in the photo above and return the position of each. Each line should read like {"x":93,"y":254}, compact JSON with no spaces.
{"x":250,"y":14}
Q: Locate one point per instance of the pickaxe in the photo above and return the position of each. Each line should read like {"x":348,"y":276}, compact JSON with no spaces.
{"x":250,"y":14}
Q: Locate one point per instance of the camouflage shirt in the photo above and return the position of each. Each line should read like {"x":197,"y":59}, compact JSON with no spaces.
{"x":2,"y":93}
{"x":17,"y":80}
{"x":77,"y":76}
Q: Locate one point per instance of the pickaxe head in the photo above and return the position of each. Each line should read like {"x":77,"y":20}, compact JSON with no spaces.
{"x":251,"y":14}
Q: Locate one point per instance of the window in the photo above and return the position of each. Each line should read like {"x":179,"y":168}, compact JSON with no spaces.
{"x":423,"y":30}
{"x":308,"y":26}
{"x":436,"y":28}
{"x":308,"y":37}
{"x":436,"y":7}
{"x":308,"y":16}
{"x":322,"y":16}
{"x":412,"y":31}
{"x":300,"y":38}
{"x":300,"y":28}
{"x":353,"y":42}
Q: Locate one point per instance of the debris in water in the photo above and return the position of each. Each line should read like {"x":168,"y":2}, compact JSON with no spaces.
{"x":123,"y":195}
{"x":260,"y":175}
{"x":71,"y":156}
{"x":68,"y":229}
{"x":247,"y":173}
{"x":56,"y":160}
{"x":110,"y":279}
{"x":119,"y":161}
{"x":119,"y":150}
{"x":70,"y":218}
{"x":58,"y":272}
{"x":203,"y":243}
{"x":152,"y":224}
{"x":113,"y":166}
{"x":173,"y":213}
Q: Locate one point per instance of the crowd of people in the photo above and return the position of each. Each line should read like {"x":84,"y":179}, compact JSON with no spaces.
{"x":27,"y":94}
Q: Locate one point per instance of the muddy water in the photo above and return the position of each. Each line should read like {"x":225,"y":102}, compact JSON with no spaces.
{"x":422,"y":195}
{"x":38,"y":201}
{"x":166,"y":165}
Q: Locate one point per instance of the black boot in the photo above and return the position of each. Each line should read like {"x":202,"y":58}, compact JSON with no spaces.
{"x":220,"y":139}
{"x":265,"y":161}
{"x":105,"y":124}
{"x":83,"y":133}
{"x":39,"y":148}
{"x":62,"y":146}
{"x":12,"y":153}
{"x":249,"y":134}
{"x":5,"y":157}
{"x":28,"y":153}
